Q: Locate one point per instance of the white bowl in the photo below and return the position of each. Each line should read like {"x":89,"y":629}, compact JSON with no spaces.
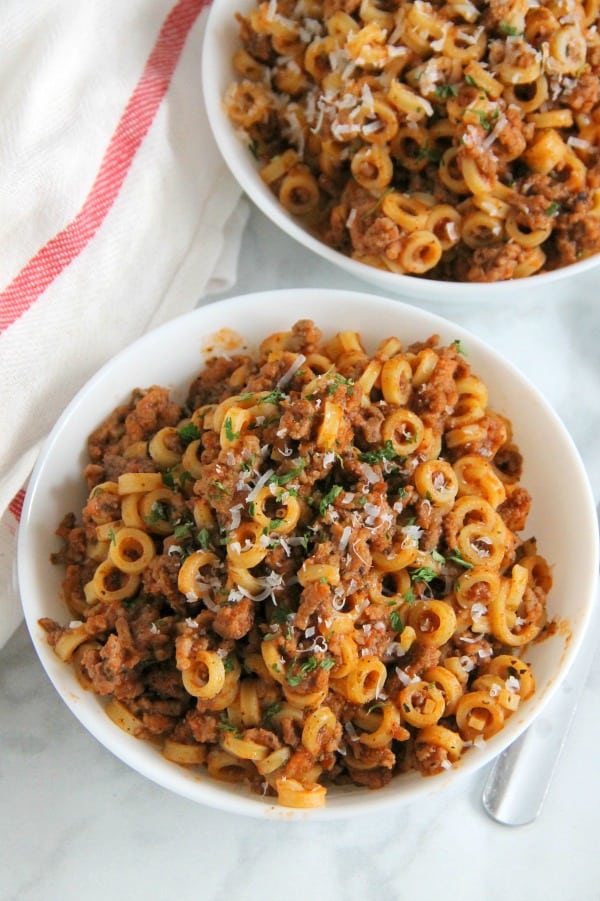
{"x":562,"y":518}
{"x":220,"y":42}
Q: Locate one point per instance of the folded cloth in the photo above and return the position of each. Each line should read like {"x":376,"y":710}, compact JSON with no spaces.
{"x":118,"y":212}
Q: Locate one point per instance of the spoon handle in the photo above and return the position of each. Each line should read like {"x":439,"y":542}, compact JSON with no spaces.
{"x":518,"y":783}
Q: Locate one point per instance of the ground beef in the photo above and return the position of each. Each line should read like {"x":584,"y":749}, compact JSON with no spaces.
{"x":234,"y":620}
{"x":495,"y":264}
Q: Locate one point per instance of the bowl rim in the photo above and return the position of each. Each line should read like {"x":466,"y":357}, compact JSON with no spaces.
{"x":135,"y":754}
{"x":239,"y":162}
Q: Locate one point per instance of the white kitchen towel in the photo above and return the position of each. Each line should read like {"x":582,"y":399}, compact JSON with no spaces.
{"x":116,"y":209}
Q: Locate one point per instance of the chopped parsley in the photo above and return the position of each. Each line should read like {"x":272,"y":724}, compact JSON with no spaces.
{"x":329,"y":498}
{"x":459,"y":347}
{"x":387,"y":452}
{"x":374,"y":208}
{"x":423,"y":574}
{"x":159,"y":512}
{"x":301,"y":671}
{"x":188,"y":432}
{"x":510,"y":30}
{"x":396,"y":621}
{"x":203,"y":538}
{"x":457,"y":557}
{"x":287,"y":476}
{"x":443,"y":91}
{"x":229,"y":433}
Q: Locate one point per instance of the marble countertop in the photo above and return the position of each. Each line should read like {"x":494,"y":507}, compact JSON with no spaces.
{"x":78,"y":823}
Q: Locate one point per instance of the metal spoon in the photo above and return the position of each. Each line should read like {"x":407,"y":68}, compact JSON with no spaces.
{"x":517,"y":786}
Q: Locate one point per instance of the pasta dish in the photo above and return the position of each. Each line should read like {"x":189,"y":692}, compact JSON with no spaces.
{"x":309,"y":573}
{"x":456,"y":141}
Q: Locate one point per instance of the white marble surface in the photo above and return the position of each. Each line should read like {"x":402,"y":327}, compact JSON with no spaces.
{"x":77,"y":823}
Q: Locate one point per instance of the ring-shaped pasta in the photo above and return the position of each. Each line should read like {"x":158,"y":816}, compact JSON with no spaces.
{"x":434,"y":622}
{"x":448,"y":684}
{"x":70,"y":641}
{"x":532,"y":260}
{"x":479,"y":545}
{"x":112,"y":584}
{"x":396,"y":381}
{"x":395,"y":558}
{"x":500,"y":613}
{"x":286,"y":514}
{"x":329,"y":426}
{"x":508,"y":699}
{"x":304,"y":700}
{"x":479,"y":181}
{"x":506,"y":665}
{"x":130,"y":513}
{"x":465,"y":42}
{"x":137,"y":482}
{"x":131,"y":550}
{"x":190,"y":581}
{"x":164,"y":447}
{"x":157,"y":508}
{"x":317,"y":56}
{"x":420,"y":251}
{"x":183,"y":753}
{"x":479,"y":229}
{"x":248,"y":103}
{"x":245,"y":550}
{"x":539,"y":571}
{"x":378,"y":123}
{"x":122,"y":716}
{"x":244,"y":748}
{"x":518,"y":230}
{"x":476,"y":586}
{"x":450,"y":173}
{"x":292,"y":793}
{"x":568,"y":49}
{"x":372,"y":167}
{"x":436,"y":481}
{"x":225,"y":767}
{"x":408,"y":212}
{"x":205,"y":677}
{"x":365,"y":682}
{"x":476,"y":476}
{"x":320,"y":725}
{"x":318,"y":572}
{"x":299,"y":191}
{"x":441,"y":737}
{"x":190,"y":459}
{"x":411,"y":148}
{"x":478,"y":715}
{"x":528,"y":97}
{"x":405,"y":431}
{"x":250,"y":712}
{"x":345,"y":654}
{"x":273,"y":660}
{"x":472,"y":508}
{"x":235,"y":423}
{"x":388,"y":725}
{"x":273,"y":761}
{"x":420,"y":704}
{"x":445,"y":222}
{"x":388,"y":586}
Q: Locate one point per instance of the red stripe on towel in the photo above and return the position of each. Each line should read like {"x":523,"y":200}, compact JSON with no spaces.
{"x":16,"y":505}
{"x":61,"y":250}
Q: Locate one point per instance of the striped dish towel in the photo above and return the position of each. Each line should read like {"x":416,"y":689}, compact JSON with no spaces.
{"x":117,"y":210}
